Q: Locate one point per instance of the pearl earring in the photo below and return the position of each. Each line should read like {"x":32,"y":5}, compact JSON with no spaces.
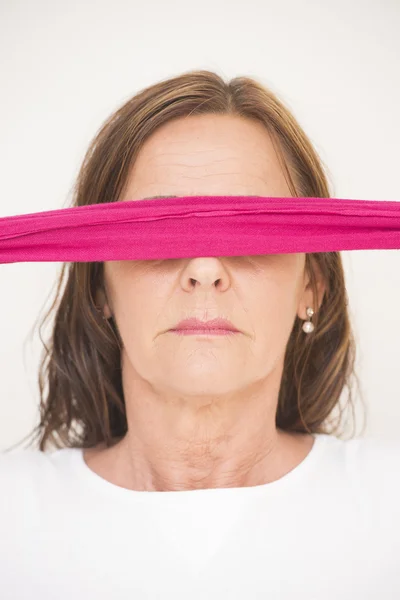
{"x":103,"y":316}
{"x":308,"y":327}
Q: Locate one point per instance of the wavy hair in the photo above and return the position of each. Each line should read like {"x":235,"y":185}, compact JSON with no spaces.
{"x":81,"y":396}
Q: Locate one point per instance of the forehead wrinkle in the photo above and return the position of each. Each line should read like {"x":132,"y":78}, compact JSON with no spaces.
{"x":211,"y":162}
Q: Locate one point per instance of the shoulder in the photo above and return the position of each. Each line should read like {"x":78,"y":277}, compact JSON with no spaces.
{"x":31,"y":481}
{"x":20,"y":461}
{"x":21,"y":473}
{"x":373,"y":456}
{"x":368,"y":464}
{"x":21,"y":467}
{"x":358,"y":461}
{"x":27,"y":472}
{"x":367,"y":454}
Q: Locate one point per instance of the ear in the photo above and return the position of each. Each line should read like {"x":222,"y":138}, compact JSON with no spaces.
{"x":307,"y":297}
{"x":102,"y":303}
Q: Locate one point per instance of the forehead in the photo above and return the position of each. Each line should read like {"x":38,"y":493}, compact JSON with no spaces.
{"x":207,"y":155}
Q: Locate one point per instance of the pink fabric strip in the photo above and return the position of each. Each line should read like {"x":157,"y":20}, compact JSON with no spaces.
{"x":191,"y":226}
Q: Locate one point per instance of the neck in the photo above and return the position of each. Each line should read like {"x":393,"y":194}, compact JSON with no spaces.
{"x":185,"y":443}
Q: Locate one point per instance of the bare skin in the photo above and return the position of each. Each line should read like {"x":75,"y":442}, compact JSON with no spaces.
{"x":201,"y":410}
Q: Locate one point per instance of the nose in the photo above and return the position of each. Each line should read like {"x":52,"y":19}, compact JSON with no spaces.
{"x":205,"y":272}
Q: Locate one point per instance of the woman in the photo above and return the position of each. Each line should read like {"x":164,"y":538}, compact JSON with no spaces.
{"x":240,"y":426}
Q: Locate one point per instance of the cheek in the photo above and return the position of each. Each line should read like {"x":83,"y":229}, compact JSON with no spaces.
{"x":272,"y":312}
{"x":139,"y":307}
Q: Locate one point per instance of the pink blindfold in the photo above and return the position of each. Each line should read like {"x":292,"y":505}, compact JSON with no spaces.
{"x":190,"y":226}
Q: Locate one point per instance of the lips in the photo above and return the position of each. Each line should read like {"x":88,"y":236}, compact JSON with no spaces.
{"x":213,"y":325}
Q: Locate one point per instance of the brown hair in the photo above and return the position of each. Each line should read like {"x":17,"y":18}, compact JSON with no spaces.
{"x":81,"y":396}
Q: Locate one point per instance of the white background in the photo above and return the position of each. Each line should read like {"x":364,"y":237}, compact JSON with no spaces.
{"x":67,"y":65}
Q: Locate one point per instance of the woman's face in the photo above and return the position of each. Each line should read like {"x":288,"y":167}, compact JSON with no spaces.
{"x":260,"y":295}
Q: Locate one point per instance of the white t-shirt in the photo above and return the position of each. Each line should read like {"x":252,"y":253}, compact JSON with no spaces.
{"x":328,"y":530}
